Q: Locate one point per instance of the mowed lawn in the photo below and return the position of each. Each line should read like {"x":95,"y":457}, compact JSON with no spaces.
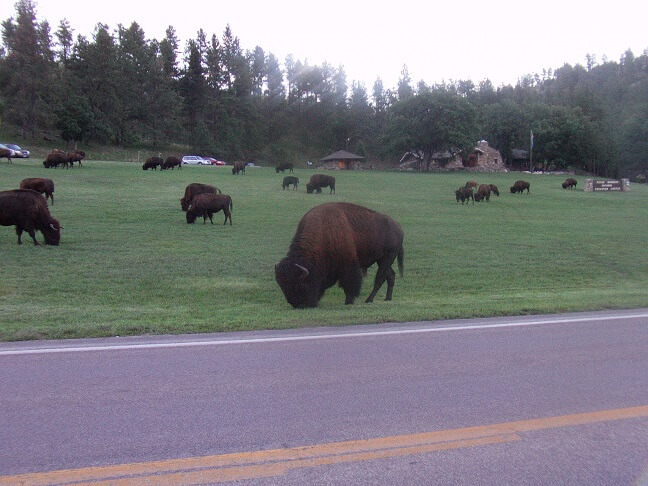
{"x":128,"y":262}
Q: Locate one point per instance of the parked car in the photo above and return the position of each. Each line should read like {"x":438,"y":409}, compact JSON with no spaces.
{"x":12,"y":152}
{"x":19,"y":152}
{"x":214,"y":161}
{"x":194,"y":160}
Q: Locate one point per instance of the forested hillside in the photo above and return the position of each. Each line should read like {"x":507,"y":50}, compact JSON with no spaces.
{"x":220,"y":99}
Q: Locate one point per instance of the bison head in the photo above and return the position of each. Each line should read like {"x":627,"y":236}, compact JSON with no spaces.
{"x":299,"y":282}
{"x":52,"y":232}
{"x":183,"y":204}
{"x":309,"y":188}
{"x":191,"y":216}
{"x":513,"y":189}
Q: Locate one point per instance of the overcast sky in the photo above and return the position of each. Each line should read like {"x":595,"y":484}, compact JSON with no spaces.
{"x":498,"y":40}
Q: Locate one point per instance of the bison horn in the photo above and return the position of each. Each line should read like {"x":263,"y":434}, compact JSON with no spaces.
{"x":303,"y":269}
{"x":55,"y":228}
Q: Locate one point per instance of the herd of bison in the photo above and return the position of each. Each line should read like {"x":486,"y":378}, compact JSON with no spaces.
{"x":356,"y":237}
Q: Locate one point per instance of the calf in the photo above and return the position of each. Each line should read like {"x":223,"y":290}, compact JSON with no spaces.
{"x":40,"y":185}
{"x":192,"y":190}
{"x":27,"y":211}
{"x":520,"y":186}
{"x":76,"y":156}
{"x":207,"y":204}
{"x":290,"y":180}
{"x":464,"y":194}
{"x":483,"y":193}
{"x":318,"y":181}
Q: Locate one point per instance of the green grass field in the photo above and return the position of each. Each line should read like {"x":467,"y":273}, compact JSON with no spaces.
{"x":128,"y":262}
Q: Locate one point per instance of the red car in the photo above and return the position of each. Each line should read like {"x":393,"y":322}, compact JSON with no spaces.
{"x":213,"y":161}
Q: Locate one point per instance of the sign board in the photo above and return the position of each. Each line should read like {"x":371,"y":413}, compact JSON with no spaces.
{"x":592,"y":185}
{"x":611,"y":185}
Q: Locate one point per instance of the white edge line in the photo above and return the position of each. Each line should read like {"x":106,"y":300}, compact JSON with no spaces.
{"x":217,"y":342}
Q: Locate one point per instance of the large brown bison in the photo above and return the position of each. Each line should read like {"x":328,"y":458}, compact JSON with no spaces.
{"x":286,"y":166}
{"x":55,"y":159}
{"x":318,"y":181}
{"x":207,"y":204}
{"x":27,"y":210}
{"x":40,"y":185}
{"x":238,"y":167}
{"x":5,"y":154}
{"x":337,"y":242}
{"x":465,"y":194}
{"x":290,"y":180}
{"x":76,"y":156}
{"x":152,"y":163}
{"x":171,"y":162}
{"x":520,"y":186}
{"x":569,"y":183}
{"x":483,"y":192}
{"x":193,"y":189}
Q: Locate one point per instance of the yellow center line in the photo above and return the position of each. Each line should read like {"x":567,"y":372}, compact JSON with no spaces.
{"x":272,"y":462}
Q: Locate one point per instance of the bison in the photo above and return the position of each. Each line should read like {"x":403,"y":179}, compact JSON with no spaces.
{"x":337,"y":242}
{"x":569,"y":183}
{"x":464,"y":194}
{"x":520,"y":186}
{"x":5,"y":153}
{"x":171,"y":162}
{"x":153,"y":163}
{"x":494,"y":189}
{"x":483,"y":193}
{"x":283,"y":167}
{"x":471,"y":184}
{"x":27,"y":211}
{"x":207,"y":204}
{"x":192,"y":190}
{"x":76,"y":156}
{"x":40,"y":185}
{"x":55,"y":159}
{"x":290,"y":180}
{"x":238,"y":167}
{"x":318,"y":181}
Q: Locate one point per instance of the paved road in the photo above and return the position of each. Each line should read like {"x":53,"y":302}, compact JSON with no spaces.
{"x":527,"y":400}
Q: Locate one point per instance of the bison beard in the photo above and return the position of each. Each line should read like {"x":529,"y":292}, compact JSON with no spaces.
{"x":337,"y":242}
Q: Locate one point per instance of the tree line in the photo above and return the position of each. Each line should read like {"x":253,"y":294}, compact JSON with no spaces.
{"x":218,"y":99}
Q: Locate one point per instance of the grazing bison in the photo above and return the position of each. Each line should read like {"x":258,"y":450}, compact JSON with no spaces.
{"x":171,"y":162}
{"x":283,"y":167}
{"x":318,"y":181}
{"x":483,"y":193}
{"x":494,"y":189}
{"x":337,"y":242}
{"x":207,"y":204}
{"x":238,"y":167}
{"x":153,"y":163}
{"x":76,"y":156}
{"x":520,"y":186}
{"x":40,"y":185}
{"x":55,"y":159}
{"x":192,"y":190}
{"x":5,"y":153}
{"x":471,"y":184}
{"x":464,"y":194}
{"x":569,"y":182}
{"x":290,"y":180}
{"x":27,"y":211}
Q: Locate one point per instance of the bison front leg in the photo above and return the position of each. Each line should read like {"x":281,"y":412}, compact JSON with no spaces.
{"x":351,"y":281}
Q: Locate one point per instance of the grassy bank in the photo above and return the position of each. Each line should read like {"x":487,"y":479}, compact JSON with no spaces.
{"x":129,"y":264}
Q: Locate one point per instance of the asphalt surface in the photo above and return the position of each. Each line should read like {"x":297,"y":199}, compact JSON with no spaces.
{"x":90,"y":403}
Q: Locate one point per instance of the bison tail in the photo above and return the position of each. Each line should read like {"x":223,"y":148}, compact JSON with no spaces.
{"x":231,"y":206}
{"x":401,"y":255}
